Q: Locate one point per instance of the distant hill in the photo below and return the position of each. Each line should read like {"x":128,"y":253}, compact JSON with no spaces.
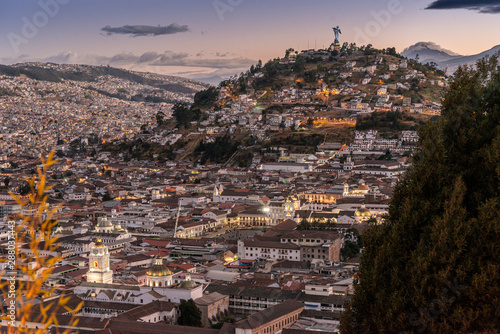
{"x":91,"y":74}
{"x":454,"y":63}
{"x":213,"y":80}
{"x":445,"y":59}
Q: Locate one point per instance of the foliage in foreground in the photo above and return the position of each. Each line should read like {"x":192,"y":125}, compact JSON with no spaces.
{"x":34,"y":270}
{"x":434,"y":267}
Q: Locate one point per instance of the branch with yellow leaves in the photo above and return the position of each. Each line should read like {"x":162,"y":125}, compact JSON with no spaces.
{"x":36,"y":303}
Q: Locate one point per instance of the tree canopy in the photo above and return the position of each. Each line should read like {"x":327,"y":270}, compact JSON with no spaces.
{"x":434,"y":266}
{"x":190,"y":314}
{"x":185,"y":115}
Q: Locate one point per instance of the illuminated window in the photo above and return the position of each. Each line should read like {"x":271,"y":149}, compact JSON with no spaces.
{"x":95,"y":263}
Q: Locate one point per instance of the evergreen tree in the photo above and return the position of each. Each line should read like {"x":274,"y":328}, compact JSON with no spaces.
{"x":304,"y":225}
{"x":206,"y":98}
{"x":160,"y":118}
{"x":24,"y":189}
{"x":190,"y":314}
{"x":6,"y":181}
{"x":434,"y":266}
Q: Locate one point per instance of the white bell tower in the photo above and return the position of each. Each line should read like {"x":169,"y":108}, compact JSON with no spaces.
{"x":99,"y":271}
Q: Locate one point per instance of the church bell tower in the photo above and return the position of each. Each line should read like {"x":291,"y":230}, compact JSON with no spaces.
{"x":99,"y":271}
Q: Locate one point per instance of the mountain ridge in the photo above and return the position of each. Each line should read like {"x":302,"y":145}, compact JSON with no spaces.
{"x":445,"y":59}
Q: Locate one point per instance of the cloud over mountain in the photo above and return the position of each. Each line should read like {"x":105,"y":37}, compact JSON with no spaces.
{"x":483,"y":6}
{"x":145,"y":30}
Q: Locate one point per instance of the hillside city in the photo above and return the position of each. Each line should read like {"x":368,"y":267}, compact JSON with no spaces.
{"x":250,"y":198}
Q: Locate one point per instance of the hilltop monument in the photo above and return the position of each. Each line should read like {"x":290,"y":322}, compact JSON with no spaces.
{"x":336,"y":43}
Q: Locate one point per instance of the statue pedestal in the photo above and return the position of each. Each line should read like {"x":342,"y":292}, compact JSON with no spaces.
{"x":336,"y":46}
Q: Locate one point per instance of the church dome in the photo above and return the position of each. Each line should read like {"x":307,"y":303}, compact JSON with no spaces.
{"x":159,"y":269}
{"x":363,"y":187}
{"x":104,"y":223}
{"x":188,"y":284}
{"x":363,"y":212}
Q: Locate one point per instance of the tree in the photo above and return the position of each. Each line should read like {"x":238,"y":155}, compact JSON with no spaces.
{"x":33,"y":229}
{"x":434,"y":266}
{"x":190,"y":314}
{"x":350,"y":249}
{"x":207,"y":97}
{"x":24,"y":189}
{"x":160,"y":118}
{"x":230,"y":319}
{"x":310,"y":122}
{"x":392,"y":51}
{"x":106,"y":197}
{"x":304,"y":225}
{"x":6,"y":181}
{"x":184,"y":115}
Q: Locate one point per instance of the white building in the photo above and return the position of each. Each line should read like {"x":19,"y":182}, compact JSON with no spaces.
{"x":252,"y":249}
{"x":99,"y":271}
{"x":286,"y":167}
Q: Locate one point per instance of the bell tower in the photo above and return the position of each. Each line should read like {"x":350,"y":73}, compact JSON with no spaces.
{"x":99,"y":271}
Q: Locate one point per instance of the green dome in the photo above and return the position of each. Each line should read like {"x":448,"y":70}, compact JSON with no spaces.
{"x":188,"y":285}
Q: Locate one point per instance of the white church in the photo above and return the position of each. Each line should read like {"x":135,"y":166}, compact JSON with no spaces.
{"x":158,"y":285}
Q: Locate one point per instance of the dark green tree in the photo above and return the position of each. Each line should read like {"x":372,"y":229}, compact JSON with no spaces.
{"x":184,"y":115}
{"x":392,"y":51}
{"x":24,"y":189}
{"x":107,"y":197}
{"x":190,"y":314}
{"x":349,"y":250}
{"x":160,"y":118}
{"x":230,"y":319}
{"x":434,"y":266}
{"x":304,"y":225}
{"x":206,"y":98}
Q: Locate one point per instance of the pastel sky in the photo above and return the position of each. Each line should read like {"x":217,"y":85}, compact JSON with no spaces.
{"x":203,"y":38}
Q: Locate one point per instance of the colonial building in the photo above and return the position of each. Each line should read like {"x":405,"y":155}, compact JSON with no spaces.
{"x":214,"y":307}
{"x":253,"y":248}
{"x":280,"y":211}
{"x":271,"y":320}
